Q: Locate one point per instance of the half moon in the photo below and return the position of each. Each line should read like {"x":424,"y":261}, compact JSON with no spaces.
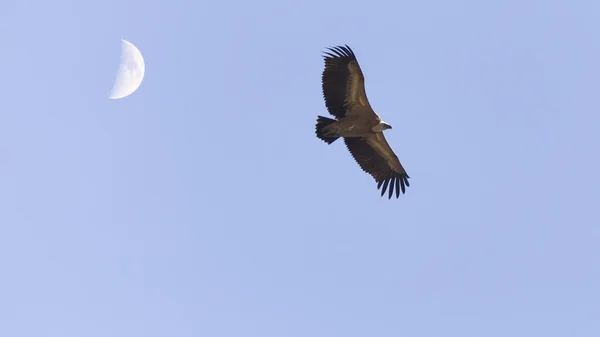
{"x":131,"y":71}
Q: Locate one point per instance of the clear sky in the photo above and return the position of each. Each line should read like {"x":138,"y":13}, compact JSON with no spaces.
{"x":203,"y":205}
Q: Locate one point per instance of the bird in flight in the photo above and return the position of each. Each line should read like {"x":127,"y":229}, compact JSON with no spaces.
{"x":343,"y":86}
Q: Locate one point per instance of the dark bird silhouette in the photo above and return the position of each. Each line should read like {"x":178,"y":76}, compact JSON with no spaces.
{"x":362,"y":129}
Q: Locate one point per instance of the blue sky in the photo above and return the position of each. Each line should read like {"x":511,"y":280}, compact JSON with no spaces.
{"x":203,"y":204}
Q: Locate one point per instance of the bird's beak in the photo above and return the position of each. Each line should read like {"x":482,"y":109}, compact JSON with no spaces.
{"x":389,"y":127}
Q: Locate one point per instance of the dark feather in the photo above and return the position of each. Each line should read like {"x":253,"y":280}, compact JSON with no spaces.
{"x":335,"y":78}
{"x":374,"y":164}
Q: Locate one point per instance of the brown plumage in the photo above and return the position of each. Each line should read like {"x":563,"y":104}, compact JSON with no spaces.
{"x":362,"y":129}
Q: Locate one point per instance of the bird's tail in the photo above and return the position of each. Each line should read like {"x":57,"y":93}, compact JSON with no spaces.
{"x":323,"y":122}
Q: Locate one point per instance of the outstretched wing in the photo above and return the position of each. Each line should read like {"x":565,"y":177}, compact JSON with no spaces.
{"x":375,"y":156}
{"x":344,"y":84}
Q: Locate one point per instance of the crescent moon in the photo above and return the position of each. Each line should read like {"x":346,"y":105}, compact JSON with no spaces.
{"x":131,"y":71}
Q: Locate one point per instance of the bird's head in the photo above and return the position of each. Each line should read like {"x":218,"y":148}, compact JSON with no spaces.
{"x":381,"y":126}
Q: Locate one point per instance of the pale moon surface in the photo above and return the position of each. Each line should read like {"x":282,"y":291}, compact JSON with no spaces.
{"x":131,"y":71}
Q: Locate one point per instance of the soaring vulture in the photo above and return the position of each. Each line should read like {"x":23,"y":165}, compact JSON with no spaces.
{"x":362,"y":129}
